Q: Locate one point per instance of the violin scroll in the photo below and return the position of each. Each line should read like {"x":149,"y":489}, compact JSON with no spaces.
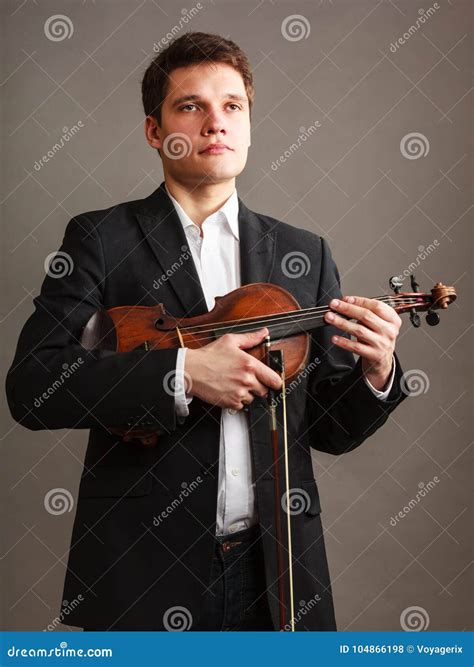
{"x":440,"y":297}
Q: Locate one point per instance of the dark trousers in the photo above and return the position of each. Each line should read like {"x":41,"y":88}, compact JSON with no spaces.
{"x":236,"y":597}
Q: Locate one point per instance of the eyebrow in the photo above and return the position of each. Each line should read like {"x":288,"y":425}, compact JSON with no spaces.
{"x":194,"y":97}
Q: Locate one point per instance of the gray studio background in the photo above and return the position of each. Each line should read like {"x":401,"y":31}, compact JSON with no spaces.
{"x":382,"y":198}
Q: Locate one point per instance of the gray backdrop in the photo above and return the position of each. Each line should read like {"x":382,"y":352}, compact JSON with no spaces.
{"x":375,"y":138}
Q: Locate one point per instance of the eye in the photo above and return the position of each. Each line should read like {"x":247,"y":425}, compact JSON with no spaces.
{"x":232,"y":104}
{"x":186,"y":106}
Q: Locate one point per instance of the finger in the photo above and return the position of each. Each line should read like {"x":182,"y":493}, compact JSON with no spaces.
{"x":383,"y":310}
{"x":366,"y":316}
{"x":245,"y":399}
{"x":356,"y":329}
{"x":267,"y":376}
{"x":246,"y":340}
{"x":258,"y":389}
{"x":363,"y":350}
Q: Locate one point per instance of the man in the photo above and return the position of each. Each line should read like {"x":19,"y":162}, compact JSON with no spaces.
{"x":182,"y":535}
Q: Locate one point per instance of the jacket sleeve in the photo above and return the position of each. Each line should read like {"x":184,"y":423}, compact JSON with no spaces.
{"x":54,"y":382}
{"x":342,"y":410}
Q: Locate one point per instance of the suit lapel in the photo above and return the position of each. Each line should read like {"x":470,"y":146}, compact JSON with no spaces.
{"x":164,"y":233}
{"x":257,"y":247}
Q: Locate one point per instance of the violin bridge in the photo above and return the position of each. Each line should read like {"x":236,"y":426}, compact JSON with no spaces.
{"x":181,"y":342}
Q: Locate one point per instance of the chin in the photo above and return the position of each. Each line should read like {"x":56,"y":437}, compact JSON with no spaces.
{"x":216,"y":176}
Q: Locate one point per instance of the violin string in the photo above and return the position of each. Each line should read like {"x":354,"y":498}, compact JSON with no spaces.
{"x":281,"y":318}
{"x":385,"y":298}
{"x":296,"y":318}
{"x":276,"y":317}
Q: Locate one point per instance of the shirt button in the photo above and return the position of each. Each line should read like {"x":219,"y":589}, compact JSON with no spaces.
{"x":231,"y":411}
{"x":235,"y":471}
{"x":232,"y":529}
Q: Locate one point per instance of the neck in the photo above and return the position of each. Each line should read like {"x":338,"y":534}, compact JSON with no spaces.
{"x":200,"y":201}
{"x":285,"y":324}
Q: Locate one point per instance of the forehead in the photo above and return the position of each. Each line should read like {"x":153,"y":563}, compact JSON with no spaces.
{"x":205,"y":79}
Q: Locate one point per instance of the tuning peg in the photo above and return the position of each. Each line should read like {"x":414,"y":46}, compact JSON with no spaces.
{"x":414,"y":285}
{"x":432,"y":318}
{"x":395,"y":283}
{"x":415,"y":318}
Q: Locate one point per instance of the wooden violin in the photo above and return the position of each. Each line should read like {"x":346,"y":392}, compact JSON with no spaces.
{"x":243,"y":310}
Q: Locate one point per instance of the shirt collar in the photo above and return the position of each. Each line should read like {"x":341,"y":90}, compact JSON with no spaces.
{"x":230,"y":210}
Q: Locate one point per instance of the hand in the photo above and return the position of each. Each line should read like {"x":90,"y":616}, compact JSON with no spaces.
{"x":376,"y":329}
{"x":223,"y":374}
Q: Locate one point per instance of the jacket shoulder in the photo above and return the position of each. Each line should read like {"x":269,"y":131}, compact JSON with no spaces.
{"x":290,"y":233}
{"x":109,"y":216}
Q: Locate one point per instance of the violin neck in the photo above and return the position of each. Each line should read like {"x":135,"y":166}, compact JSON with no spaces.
{"x":283,"y":325}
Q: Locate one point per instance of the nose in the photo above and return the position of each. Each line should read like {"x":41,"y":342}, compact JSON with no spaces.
{"x":214,"y":123}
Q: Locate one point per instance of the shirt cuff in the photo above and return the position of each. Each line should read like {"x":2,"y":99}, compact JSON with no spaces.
{"x":382,"y":395}
{"x":181,"y":399}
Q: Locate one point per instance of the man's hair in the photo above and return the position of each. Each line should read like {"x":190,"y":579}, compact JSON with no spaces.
{"x":192,"y":48}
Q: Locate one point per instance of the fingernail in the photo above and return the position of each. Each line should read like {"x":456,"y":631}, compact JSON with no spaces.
{"x":335,"y":303}
{"x":330,"y":317}
{"x":350,"y":299}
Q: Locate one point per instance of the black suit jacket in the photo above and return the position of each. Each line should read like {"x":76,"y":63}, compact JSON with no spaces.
{"x":127,"y":567}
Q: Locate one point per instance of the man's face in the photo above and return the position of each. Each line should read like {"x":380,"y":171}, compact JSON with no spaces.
{"x":205,"y":104}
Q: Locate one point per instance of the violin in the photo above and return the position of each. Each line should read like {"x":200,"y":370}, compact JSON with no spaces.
{"x":285,"y":350}
{"x":246,"y":309}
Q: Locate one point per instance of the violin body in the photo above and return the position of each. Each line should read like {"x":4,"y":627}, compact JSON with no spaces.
{"x":127,"y":328}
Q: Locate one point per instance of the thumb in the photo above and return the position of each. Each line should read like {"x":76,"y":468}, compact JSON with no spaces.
{"x":252,"y":338}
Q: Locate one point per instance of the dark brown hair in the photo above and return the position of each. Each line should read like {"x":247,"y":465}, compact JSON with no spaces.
{"x":191,"y":48}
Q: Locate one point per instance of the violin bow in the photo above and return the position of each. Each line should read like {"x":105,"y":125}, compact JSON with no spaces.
{"x":275,"y":360}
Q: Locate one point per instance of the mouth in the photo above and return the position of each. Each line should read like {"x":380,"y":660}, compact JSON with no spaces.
{"x":215,"y":149}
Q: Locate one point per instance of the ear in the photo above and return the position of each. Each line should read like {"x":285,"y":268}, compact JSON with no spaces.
{"x":153,"y":132}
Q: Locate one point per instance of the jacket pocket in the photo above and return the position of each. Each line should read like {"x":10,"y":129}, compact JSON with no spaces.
{"x":116,"y":482}
{"x":313,"y":505}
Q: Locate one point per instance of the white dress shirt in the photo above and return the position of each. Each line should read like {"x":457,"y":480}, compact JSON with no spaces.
{"x":216,"y":255}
